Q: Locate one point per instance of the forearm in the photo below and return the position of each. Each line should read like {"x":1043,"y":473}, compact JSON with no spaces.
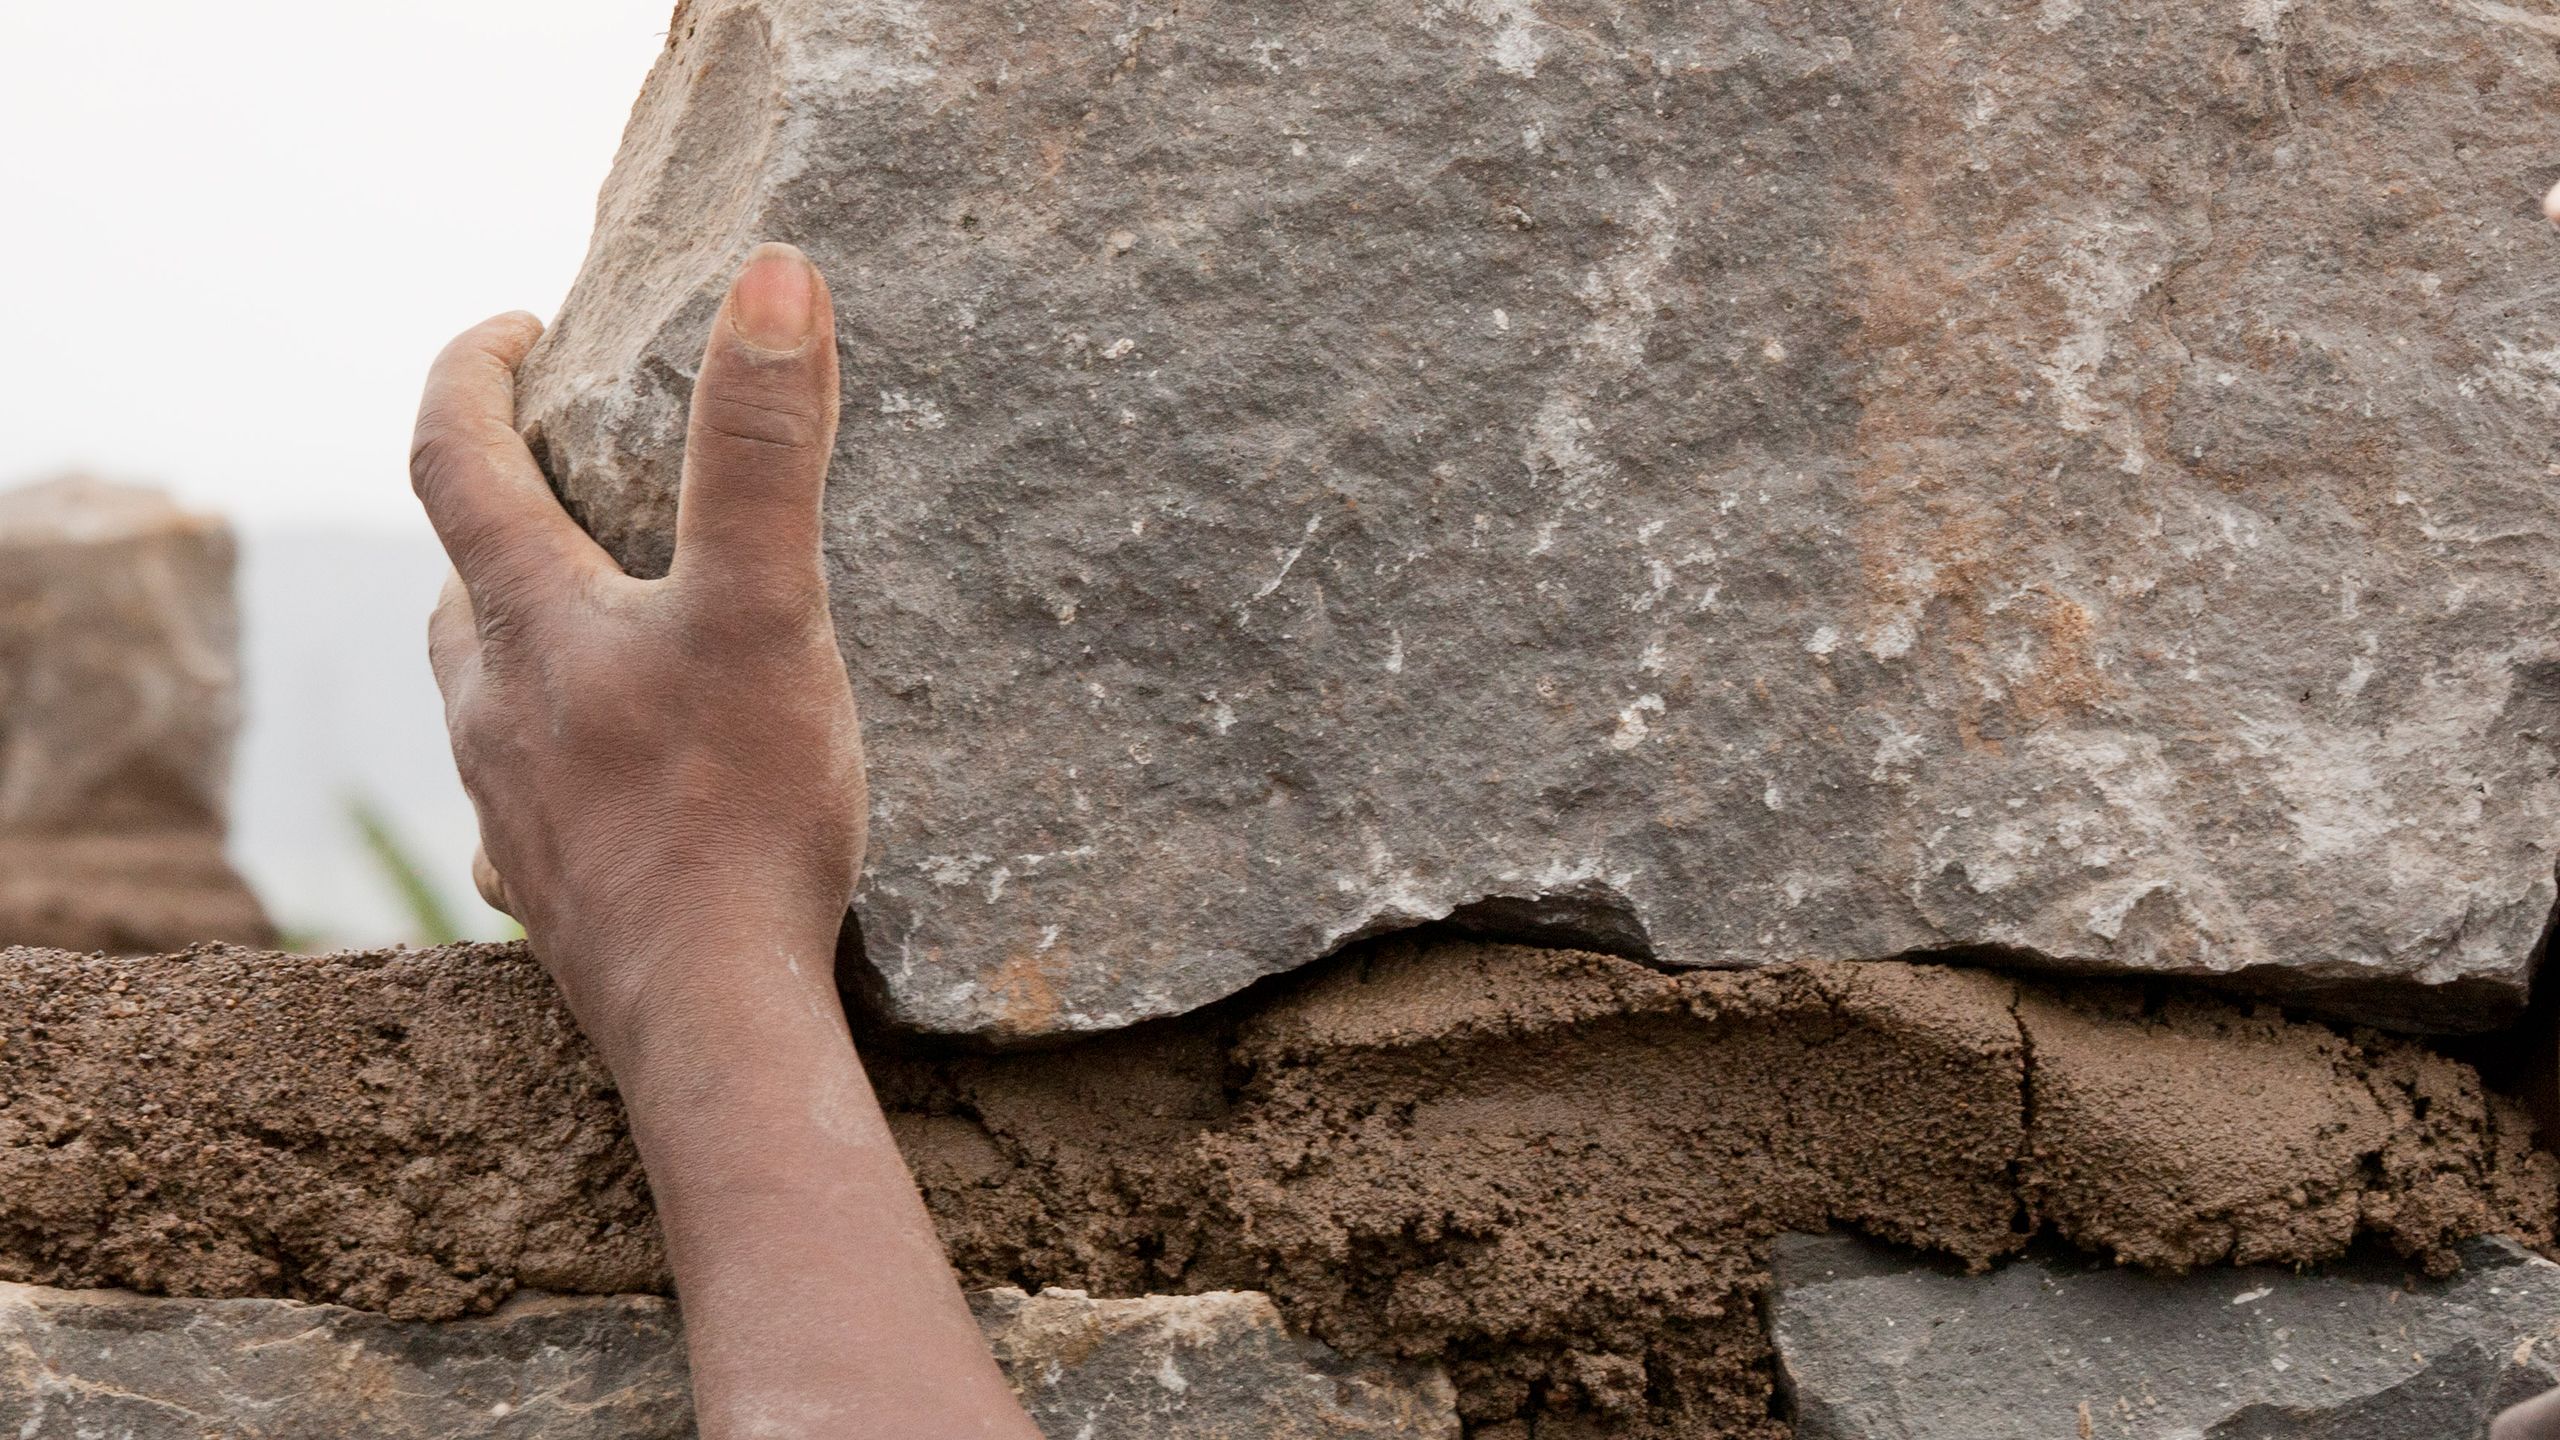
{"x":816,"y":1296}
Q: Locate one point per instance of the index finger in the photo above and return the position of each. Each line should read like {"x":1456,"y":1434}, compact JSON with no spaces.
{"x":501,"y":526}
{"x":761,"y":431}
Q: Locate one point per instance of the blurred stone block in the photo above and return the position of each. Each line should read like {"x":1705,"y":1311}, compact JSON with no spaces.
{"x":129,"y":893}
{"x":119,"y":699}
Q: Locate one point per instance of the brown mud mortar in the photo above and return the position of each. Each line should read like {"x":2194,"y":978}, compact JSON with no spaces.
{"x":1556,"y":1172}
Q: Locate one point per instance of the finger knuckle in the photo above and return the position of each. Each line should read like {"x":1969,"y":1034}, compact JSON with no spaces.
{"x":499,"y":625}
{"x":761,"y":421}
{"x":442,"y":453}
{"x":761,"y":630}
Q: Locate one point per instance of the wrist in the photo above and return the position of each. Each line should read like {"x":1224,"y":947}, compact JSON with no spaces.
{"x":716,"y":982}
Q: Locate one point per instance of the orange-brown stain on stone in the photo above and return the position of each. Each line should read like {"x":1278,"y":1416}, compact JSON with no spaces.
{"x":2067,"y":676}
{"x":1025,"y":995}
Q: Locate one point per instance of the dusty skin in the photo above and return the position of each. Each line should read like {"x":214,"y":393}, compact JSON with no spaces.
{"x":1559,"y":1170}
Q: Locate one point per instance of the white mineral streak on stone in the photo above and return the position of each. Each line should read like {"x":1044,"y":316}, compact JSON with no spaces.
{"x":1660,"y":586}
{"x":1288,"y":561}
{"x":1556,"y":443}
{"x":2266,"y":18}
{"x":1517,"y":43}
{"x":1620,"y":299}
{"x":1896,"y":753}
{"x":953,"y":869}
{"x":917,"y":414}
{"x":2035,"y":508}
{"x":2100,"y":285}
{"x":2543,"y":25}
{"x":1897,"y":628}
{"x":2106,"y":917}
{"x":2518,"y":373}
{"x":2360,"y":668}
{"x":871,"y":46}
{"x":1632,"y":725}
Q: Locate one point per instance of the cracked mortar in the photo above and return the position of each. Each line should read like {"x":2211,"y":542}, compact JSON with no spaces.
{"x":1558,"y":1172}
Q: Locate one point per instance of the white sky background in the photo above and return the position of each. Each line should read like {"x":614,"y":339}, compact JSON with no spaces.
{"x":234,"y":235}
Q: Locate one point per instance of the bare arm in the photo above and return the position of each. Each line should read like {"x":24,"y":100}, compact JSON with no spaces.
{"x":668,"y":774}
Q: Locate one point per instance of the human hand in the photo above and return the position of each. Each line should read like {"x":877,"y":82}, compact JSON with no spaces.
{"x":669,"y":779}
{"x":2536,"y":1419}
{"x":679,"y":756}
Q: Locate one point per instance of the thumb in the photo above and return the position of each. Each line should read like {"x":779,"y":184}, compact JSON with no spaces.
{"x":762,"y":428}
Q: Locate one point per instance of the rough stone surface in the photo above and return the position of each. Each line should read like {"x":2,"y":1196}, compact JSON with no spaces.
{"x":87,"y":1364}
{"x":119,"y":697}
{"x":1220,"y":1366}
{"x":1732,"y":481}
{"x":77,"y":1365}
{"x":1876,"y":1345}
{"x":1555,"y":1174}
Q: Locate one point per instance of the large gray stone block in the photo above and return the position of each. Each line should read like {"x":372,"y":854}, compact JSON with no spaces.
{"x":1874,"y":1345}
{"x":1720,"y":481}
{"x":79,"y":1365}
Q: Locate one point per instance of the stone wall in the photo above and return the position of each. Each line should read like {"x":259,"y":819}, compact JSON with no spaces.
{"x":1559,"y":1180}
{"x":1779,"y":495}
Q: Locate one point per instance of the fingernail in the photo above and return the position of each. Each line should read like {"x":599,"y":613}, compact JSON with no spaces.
{"x":2551,"y":205}
{"x":774,"y":303}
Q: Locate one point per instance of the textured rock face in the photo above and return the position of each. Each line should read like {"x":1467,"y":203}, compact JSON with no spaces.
{"x":1732,"y":481}
{"x":119,"y":697}
{"x":1199,"y":1367}
{"x":76,"y":1365}
{"x":1874,"y":1344}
